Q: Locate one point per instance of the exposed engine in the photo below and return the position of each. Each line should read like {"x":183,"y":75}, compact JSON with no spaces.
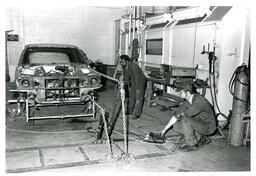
{"x":57,"y":82}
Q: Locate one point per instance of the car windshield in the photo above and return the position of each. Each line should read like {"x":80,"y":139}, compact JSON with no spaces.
{"x":48,"y":58}
{"x":51,"y":55}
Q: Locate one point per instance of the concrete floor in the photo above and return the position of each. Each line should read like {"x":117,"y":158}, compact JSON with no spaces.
{"x":52,"y":146}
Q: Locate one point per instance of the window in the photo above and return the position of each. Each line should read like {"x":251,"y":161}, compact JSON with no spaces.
{"x":154,"y":46}
{"x":48,"y":58}
{"x":49,"y":55}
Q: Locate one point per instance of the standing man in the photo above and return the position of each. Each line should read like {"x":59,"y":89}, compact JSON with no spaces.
{"x":135,"y":80}
{"x":196,"y":119}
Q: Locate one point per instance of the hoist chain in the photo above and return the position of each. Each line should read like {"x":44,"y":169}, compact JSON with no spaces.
{"x":126,"y":156}
{"x":111,"y":157}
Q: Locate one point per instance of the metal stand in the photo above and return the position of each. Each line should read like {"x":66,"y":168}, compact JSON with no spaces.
{"x":30,"y":104}
{"x":247,"y":121}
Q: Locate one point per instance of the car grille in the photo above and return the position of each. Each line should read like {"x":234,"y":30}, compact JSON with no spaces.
{"x":61,"y":89}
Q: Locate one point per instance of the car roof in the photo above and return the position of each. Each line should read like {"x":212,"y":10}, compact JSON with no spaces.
{"x":50,"y":45}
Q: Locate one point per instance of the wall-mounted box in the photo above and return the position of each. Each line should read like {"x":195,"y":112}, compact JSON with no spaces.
{"x":12,"y":37}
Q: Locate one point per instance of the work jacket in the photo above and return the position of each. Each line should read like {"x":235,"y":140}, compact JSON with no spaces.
{"x":199,"y":109}
{"x":134,"y":76}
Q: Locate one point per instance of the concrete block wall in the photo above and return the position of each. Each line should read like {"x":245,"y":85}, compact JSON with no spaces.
{"x":89,"y":27}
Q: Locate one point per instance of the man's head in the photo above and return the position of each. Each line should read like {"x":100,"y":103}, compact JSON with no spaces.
{"x":124,"y":59}
{"x":187,"y":90}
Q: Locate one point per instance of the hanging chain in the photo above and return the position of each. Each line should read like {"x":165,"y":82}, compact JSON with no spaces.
{"x":111,"y":157}
{"x":126,"y":156}
{"x":122,"y":92}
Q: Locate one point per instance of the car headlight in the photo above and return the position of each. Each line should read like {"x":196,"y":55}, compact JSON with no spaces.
{"x":25,"y":83}
{"x":84,"y":83}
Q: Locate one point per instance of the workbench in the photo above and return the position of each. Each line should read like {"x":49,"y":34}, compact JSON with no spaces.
{"x":151,"y":81}
{"x":166,"y":75}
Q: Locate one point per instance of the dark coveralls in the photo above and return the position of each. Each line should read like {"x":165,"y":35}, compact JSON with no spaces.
{"x":136,"y":81}
{"x":199,"y":119}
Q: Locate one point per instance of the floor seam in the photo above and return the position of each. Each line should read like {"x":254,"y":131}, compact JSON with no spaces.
{"x":41,"y":157}
{"x":83,"y":153}
{"x":83,"y":163}
{"x":47,"y":147}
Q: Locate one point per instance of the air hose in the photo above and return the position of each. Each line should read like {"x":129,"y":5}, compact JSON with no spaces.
{"x":213,"y":89}
{"x":234,"y":78}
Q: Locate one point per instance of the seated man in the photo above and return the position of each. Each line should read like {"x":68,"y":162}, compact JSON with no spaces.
{"x":195,"y":119}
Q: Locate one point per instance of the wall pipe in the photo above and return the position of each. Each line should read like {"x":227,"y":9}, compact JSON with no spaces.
{"x":129,"y":34}
{"x":134,"y":22}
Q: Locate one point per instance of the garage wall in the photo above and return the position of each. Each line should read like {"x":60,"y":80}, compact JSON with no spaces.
{"x":90,"y":28}
{"x":234,"y":51}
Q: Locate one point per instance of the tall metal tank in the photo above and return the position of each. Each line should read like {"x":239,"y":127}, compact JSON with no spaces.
{"x":240,"y":102}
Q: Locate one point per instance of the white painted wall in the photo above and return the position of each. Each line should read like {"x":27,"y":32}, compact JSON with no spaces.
{"x":166,"y":45}
{"x":90,"y":28}
{"x":182,"y":46}
{"x":231,"y":37}
{"x":234,"y":51}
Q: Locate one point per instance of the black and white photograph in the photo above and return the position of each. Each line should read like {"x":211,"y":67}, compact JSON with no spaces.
{"x":122,"y":88}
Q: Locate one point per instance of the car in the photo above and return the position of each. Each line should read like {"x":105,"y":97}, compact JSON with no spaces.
{"x":54,"y":74}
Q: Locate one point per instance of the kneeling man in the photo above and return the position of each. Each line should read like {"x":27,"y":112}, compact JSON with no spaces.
{"x":195,"y":119}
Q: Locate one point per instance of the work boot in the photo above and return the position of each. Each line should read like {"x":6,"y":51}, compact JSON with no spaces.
{"x":204,"y":140}
{"x":188,"y":148}
{"x":158,"y":136}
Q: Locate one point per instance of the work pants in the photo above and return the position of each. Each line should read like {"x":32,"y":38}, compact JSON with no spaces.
{"x":135,"y":101}
{"x":193,"y":128}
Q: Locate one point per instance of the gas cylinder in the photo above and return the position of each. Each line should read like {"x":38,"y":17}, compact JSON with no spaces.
{"x":239,"y":107}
